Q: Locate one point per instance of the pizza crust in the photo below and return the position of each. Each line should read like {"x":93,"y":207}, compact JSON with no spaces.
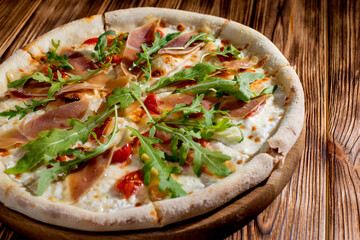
{"x":161,"y":213}
{"x":253,"y":173}
{"x":255,"y":43}
{"x":19,"y":60}
{"x":127,"y":19}
{"x":70,"y":34}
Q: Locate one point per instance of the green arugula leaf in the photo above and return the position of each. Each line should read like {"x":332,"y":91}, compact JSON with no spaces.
{"x":22,"y":111}
{"x":206,"y":37}
{"x":100,"y":53}
{"x":244,"y":79}
{"x":197,"y":71}
{"x":52,"y":142}
{"x":268,"y":90}
{"x":123,"y":96}
{"x":156,"y":46}
{"x":195,"y":107}
{"x":155,"y":160}
{"x":205,"y":86}
{"x":38,"y":76}
{"x":52,"y":56}
{"x":226,"y":52}
{"x":62,"y":169}
{"x":214,"y":160}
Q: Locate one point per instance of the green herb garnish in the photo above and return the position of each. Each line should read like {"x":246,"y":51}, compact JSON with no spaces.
{"x":22,"y":111}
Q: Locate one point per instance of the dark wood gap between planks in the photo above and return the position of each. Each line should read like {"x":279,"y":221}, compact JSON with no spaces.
{"x":249,"y":18}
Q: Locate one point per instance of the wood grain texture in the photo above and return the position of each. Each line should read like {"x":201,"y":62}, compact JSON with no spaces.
{"x":344,"y":124}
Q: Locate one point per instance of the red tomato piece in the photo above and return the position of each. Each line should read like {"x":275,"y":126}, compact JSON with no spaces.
{"x":100,"y":129}
{"x":116,"y":58}
{"x":202,"y":142}
{"x":130,"y":183}
{"x":151,"y":103}
{"x":257,"y":110}
{"x":187,"y":66}
{"x":91,"y":41}
{"x":136,"y":141}
{"x":161,"y":32}
{"x":122,"y":154}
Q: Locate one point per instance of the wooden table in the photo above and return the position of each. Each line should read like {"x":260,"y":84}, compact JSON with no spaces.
{"x":321,"y":39}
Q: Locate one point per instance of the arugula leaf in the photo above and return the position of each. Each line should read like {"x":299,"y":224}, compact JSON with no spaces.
{"x":239,"y":86}
{"x":214,"y":160}
{"x":38,"y":76}
{"x":62,"y":169}
{"x":100,"y":53}
{"x":206,"y":37}
{"x":52,"y":56}
{"x":225,"y":52}
{"x":244,"y":79}
{"x":52,"y":142}
{"x":156,"y":46}
{"x":195,"y":107}
{"x":197,"y":71}
{"x":22,"y":111}
{"x":155,"y":160}
{"x":207,"y":84}
{"x":268,"y":90}
{"x":123,"y":96}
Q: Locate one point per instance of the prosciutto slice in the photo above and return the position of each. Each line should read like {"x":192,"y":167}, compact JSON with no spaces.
{"x":240,"y":63}
{"x":144,"y":34}
{"x":237,"y":108}
{"x":180,"y":41}
{"x":56,"y":118}
{"x":80,"y":182}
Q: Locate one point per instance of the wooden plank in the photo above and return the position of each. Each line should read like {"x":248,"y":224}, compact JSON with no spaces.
{"x":297,"y":29}
{"x":15,"y":15}
{"x":51,"y":14}
{"x":294,"y":27}
{"x":344,"y":115}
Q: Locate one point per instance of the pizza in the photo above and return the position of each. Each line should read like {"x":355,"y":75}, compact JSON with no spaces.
{"x":142,"y":118}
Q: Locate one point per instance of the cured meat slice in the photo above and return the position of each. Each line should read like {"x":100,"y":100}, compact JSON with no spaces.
{"x":56,"y":118}
{"x":180,"y":41}
{"x":136,"y":38}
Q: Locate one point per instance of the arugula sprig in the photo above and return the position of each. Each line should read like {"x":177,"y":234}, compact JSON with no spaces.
{"x":239,"y":86}
{"x":192,"y":73}
{"x":52,"y":57}
{"x":214,"y":160}
{"x":206,"y":37}
{"x":153,"y":158}
{"x":53,"y":142}
{"x":62,"y":169}
{"x":101,"y":50}
{"x":22,"y":111}
{"x":56,"y":84}
{"x":226,"y":52}
{"x":156,"y":46}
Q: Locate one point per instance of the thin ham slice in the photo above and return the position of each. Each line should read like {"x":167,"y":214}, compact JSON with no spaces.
{"x":56,"y":118}
{"x":240,"y":109}
{"x":180,"y":41}
{"x":237,"y":108}
{"x":80,"y":182}
{"x":136,"y":38}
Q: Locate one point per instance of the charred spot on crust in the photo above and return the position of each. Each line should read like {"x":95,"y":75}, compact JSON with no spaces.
{"x":180,"y":27}
{"x":163,"y":23}
{"x":157,"y":73}
{"x":261,"y":62}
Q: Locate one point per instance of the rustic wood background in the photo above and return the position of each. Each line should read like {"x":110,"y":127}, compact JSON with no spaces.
{"x":321,"y":39}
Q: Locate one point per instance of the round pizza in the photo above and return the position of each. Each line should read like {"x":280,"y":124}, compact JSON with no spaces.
{"x":143,"y":117}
